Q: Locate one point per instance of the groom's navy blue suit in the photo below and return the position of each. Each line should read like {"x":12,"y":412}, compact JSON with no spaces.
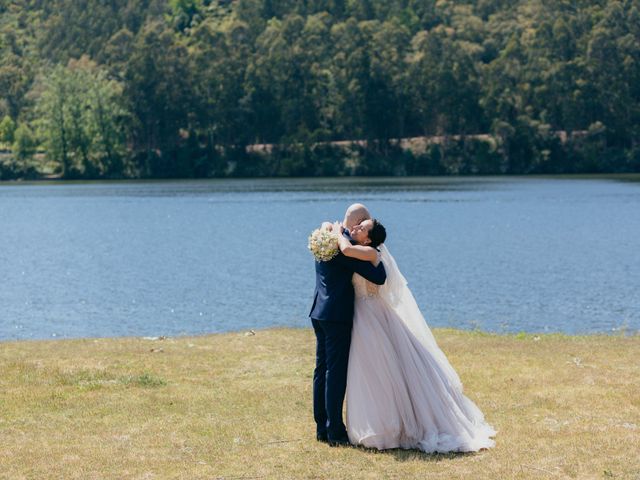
{"x":332,"y":319}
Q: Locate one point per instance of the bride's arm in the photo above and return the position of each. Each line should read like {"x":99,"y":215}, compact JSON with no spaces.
{"x":368,"y":254}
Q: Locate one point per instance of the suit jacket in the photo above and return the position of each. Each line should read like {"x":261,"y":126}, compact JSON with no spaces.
{"x":334,"y":296}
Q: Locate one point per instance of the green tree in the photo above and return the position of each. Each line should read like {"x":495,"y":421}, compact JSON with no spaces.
{"x":24,"y":145}
{"x":184,"y":12}
{"x":81,"y":120}
{"x":7,"y":130}
{"x":159,"y":94}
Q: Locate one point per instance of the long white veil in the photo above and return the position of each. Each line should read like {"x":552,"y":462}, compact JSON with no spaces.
{"x":396,"y":294}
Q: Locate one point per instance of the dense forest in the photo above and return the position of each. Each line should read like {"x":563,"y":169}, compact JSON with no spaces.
{"x":210,"y":88}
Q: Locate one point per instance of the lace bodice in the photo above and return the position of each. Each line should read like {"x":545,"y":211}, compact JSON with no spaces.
{"x":363,"y":287}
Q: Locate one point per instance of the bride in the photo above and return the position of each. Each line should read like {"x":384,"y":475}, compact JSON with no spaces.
{"x":402,"y":392}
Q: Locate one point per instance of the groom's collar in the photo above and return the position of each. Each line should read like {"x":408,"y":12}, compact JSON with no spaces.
{"x":348,"y":235}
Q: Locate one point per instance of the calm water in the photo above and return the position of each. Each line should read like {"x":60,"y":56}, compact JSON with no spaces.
{"x":189,"y":257}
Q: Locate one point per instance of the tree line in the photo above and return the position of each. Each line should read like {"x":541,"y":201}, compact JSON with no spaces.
{"x":214,"y":88}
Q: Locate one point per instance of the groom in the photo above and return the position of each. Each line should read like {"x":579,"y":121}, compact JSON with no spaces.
{"x":332,"y":319}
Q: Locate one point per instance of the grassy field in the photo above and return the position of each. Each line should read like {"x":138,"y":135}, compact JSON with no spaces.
{"x":238,"y":406}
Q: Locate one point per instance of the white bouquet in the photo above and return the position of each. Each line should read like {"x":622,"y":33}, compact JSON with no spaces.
{"x":323,"y":244}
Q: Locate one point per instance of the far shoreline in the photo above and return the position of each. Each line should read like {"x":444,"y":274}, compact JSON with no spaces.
{"x":535,"y":336}
{"x":50,"y":180}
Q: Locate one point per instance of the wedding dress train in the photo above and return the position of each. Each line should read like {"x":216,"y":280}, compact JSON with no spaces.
{"x":402,"y":392}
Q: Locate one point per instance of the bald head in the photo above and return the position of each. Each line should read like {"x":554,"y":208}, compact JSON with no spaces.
{"x":355,"y":214}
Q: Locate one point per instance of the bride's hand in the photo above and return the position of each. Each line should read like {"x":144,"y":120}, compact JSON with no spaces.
{"x":337,"y":228}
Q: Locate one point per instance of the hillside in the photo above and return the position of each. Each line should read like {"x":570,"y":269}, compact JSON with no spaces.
{"x":180,"y":88}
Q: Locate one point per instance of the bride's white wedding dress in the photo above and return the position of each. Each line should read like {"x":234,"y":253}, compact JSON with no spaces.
{"x":402,"y":392}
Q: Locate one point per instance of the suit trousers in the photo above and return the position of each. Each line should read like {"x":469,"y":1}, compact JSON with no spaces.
{"x":333,"y":340}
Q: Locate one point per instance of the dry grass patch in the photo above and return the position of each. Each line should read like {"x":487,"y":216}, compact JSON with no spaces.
{"x":238,"y":406}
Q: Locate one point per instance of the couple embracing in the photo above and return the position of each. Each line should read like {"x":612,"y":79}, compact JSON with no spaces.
{"x":374,"y":345}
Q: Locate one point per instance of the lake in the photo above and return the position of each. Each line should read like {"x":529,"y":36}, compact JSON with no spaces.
{"x":501,"y":254}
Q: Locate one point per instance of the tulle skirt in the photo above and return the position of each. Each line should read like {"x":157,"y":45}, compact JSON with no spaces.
{"x":398,"y":392}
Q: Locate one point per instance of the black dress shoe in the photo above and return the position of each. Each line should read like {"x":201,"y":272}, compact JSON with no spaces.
{"x":339,"y":442}
{"x":322,"y":437}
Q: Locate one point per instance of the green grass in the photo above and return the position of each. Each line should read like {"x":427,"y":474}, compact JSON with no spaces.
{"x":238,"y":406}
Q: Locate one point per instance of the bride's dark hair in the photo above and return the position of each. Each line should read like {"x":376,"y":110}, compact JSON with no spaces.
{"x":377,"y":234}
